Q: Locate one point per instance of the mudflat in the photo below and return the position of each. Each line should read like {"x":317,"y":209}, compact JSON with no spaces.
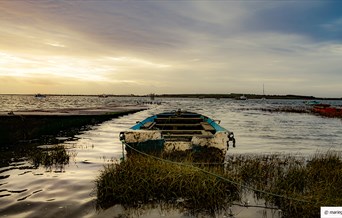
{"x":77,"y":111}
{"x":25,"y":126}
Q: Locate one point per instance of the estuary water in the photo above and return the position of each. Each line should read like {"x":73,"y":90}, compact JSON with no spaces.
{"x":68,"y":190}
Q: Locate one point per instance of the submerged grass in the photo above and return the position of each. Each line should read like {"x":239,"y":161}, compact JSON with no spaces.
{"x":297,"y":185}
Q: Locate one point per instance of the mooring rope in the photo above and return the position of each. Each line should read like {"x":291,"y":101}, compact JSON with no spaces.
{"x":217,"y":176}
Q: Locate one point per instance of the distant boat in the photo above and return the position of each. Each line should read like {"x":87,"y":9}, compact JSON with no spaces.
{"x":40,"y":95}
{"x":312,"y":102}
{"x":243,"y":97}
{"x":327,"y":110}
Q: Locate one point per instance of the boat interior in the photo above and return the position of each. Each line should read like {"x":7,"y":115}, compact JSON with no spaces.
{"x":180,"y":126}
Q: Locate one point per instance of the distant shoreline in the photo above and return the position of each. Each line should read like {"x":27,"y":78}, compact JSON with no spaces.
{"x":217,"y":96}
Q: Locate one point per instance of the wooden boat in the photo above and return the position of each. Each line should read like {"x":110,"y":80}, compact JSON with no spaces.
{"x":178,"y":131}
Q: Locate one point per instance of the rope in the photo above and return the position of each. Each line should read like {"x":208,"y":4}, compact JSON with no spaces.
{"x":256,"y":206}
{"x":218,"y":176}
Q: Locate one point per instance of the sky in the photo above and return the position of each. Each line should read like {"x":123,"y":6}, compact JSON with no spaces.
{"x":171,"y":47}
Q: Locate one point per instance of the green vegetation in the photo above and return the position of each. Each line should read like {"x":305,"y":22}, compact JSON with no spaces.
{"x":298,"y":186}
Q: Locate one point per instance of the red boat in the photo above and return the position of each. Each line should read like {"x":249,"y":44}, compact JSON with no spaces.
{"x":327,"y":110}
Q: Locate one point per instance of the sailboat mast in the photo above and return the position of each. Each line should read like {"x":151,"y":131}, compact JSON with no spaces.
{"x":263,"y":92}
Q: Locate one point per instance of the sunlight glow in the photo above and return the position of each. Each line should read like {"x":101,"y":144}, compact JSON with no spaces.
{"x":137,"y":62}
{"x":96,"y":69}
{"x":16,"y":66}
{"x":55,"y":44}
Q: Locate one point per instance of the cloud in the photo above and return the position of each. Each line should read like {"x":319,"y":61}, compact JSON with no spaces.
{"x":172,"y":46}
{"x":312,"y":19}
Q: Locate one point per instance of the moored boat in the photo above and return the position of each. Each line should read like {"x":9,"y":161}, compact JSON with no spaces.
{"x":178,"y":131}
{"x":39,"y":95}
{"x":327,"y":110}
{"x":312,"y":103}
{"x":243,"y":97}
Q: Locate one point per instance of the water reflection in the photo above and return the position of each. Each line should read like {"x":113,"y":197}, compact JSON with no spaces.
{"x":51,"y":157}
{"x":30,"y":157}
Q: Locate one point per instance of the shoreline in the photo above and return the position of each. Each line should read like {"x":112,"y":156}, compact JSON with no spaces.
{"x":198,"y":95}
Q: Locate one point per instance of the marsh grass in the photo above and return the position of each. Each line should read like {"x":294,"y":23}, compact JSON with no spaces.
{"x":297,"y":185}
{"x":142,"y":180}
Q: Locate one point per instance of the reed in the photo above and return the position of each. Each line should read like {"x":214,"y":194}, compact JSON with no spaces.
{"x":297,"y":185}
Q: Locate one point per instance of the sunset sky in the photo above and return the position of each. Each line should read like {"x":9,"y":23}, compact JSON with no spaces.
{"x":166,"y":46}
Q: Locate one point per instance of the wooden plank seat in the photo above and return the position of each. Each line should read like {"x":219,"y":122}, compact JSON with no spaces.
{"x":178,"y":125}
{"x":195,"y":132}
{"x":178,"y":120}
{"x":207,"y":127}
{"x":148,"y":125}
{"x":181,"y":131}
{"x":172,"y":126}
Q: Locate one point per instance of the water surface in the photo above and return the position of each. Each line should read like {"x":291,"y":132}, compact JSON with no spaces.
{"x":68,"y":191}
